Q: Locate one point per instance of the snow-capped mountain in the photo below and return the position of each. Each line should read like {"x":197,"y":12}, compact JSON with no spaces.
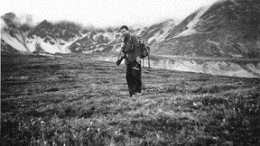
{"x":61,"y":37}
{"x":221,"y":39}
{"x":68,"y":37}
{"x":228,"y":28}
{"x":96,"y":40}
{"x":45,"y":37}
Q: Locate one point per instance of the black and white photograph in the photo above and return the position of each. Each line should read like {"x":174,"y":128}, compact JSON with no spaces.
{"x":130,"y":72}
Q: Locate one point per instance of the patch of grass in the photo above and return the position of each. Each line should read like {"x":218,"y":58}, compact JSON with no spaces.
{"x":86,"y":102}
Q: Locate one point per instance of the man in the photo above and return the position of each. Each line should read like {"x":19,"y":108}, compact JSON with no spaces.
{"x":132,"y":53}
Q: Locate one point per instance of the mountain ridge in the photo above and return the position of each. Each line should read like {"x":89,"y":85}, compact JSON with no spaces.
{"x":225,"y":29}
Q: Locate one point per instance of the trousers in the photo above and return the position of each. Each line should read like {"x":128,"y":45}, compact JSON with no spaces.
{"x":133,"y":77}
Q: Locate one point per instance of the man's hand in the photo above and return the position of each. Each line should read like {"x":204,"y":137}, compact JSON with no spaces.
{"x":138,"y":60}
{"x":118,"y":62}
{"x":122,"y":45}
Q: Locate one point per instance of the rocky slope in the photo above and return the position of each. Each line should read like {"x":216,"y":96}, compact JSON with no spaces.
{"x":228,"y":28}
{"x":69,"y":37}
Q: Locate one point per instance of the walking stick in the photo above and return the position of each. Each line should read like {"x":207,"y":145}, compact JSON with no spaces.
{"x":149,"y":59}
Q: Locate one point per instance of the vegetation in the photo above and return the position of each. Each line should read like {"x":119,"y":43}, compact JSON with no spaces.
{"x":75,"y":100}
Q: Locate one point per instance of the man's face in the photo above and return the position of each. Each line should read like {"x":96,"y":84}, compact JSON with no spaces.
{"x":124,"y":31}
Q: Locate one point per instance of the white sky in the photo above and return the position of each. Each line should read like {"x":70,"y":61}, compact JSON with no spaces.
{"x":103,"y":13}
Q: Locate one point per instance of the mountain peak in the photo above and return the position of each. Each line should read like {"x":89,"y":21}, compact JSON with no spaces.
{"x":44,"y":24}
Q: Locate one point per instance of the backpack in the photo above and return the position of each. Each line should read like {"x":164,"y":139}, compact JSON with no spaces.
{"x":145,"y":50}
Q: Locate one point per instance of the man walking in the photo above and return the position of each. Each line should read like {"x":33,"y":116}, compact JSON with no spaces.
{"x":132,"y":53}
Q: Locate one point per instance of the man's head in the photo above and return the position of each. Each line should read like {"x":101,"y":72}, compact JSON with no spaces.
{"x":124,"y":30}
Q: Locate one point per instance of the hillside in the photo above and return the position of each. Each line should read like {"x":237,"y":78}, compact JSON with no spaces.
{"x":157,"y":32}
{"x":74,"y":99}
{"x":228,"y":28}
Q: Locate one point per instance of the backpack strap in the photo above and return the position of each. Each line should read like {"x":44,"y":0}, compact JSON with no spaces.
{"x":131,"y":42}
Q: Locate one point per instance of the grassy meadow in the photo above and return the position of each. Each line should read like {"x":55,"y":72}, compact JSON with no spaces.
{"x":75,"y":100}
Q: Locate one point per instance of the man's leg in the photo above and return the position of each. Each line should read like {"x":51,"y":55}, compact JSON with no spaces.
{"x":137,"y":77}
{"x":130,"y":79}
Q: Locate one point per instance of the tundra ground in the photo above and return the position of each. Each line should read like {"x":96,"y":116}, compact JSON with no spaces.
{"x":76,"y":100}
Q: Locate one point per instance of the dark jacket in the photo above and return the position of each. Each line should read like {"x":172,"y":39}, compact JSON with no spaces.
{"x":131,"y":48}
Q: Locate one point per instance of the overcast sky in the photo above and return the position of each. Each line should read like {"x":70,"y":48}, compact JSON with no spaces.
{"x":103,"y":13}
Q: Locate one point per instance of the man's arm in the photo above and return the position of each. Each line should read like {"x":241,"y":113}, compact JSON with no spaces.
{"x":121,"y":56}
{"x":118,"y":62}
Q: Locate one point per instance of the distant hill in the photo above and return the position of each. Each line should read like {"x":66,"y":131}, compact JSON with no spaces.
{"x":228,"y":28}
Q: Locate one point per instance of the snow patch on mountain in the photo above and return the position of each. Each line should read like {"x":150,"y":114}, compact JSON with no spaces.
{"x":254,"y":68}
{"x":157,"y":32}
{"x":15,"y":42}
{"x":160,"y":35}
{"x":51,"y":48}
{"x":190,"y":26}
